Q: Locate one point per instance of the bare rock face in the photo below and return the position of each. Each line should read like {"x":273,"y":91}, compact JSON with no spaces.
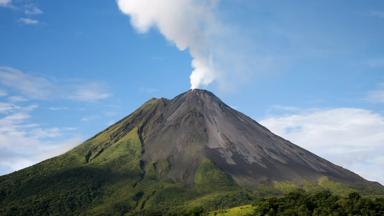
{"x":197,"y":126}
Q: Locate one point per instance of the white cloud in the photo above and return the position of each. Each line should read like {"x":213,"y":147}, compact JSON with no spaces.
{"x":194,"y":25}
{"x":89,"y":118}
{"x":90,"y":92}
{"x":16,"y":99}
{"x":7,"y":107}
{"x":350,"y":137}
{"x":22,"y":156}
{"x":4,"y":3}
{"x":38,"y":87}
{"x":57,"y":108}
{"x":30,"y":85}
{"x":24,"y":143}
{"x":32,"y":9}
{"x":28,"y":21}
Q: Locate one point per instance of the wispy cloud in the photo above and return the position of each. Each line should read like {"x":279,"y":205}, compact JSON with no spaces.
{"x":16,"y":99}
{"x":23,"y":142}
{"x":379,"y":14}
{"x":29,"y":85}
{"x":4,"y":3}
{"x":350,"y":137}
{"x":31,"y":9}
{"x":89,"y":118}
{"x":7,"y":107}
{"x":28,"y":21}
{"x":38,"y":87}
{"x":26,"y":10}
{"x":90,"y":92}
{"x":3,"y":93}
{"x":57,"y":108}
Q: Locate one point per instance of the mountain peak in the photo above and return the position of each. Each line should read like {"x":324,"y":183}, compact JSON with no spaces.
{"x":196,"y":126}
{"x":198,"y":90}
{"x":200,"y":93}
{"x":197,"y":98}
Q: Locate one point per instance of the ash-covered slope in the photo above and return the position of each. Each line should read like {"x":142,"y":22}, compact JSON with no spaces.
{"x":197,"y":125}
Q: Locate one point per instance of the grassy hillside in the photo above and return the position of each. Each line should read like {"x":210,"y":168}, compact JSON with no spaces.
{"x":244,"y":210}
{"x":102,"y":177}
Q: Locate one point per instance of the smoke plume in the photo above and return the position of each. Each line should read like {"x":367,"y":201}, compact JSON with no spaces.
{"x":191,"y":25}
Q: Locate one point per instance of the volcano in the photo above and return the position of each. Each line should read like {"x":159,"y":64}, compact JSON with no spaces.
{"x":192,"y":150}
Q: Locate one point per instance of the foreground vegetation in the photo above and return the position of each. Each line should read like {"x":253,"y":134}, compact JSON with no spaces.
{"x":304,"y":203}
{"x":243,"y":210}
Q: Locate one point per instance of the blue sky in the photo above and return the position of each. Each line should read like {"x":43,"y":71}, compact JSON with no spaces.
{"x":311,"y":71}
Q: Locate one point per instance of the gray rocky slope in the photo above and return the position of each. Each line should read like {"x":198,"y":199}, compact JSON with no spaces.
{"x":196,"y":126}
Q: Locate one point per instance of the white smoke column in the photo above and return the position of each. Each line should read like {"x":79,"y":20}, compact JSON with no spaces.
{"x":190,"y":24}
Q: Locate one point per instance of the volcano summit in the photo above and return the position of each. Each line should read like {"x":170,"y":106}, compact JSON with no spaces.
{"x":192,"y":150}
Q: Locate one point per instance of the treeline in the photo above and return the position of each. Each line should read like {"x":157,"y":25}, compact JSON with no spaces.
{"x":298,"y":203}
{"x":319,"y":204}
